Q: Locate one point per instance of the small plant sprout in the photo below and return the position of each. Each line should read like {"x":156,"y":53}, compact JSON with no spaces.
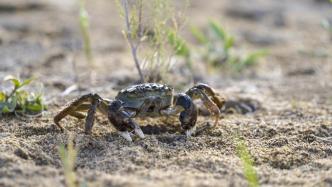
{"x":19,"y":101}
{"x":84,"y":26}
{"x":240,"y":63}
{"x":247,"y":162}
{"x":220,"y":34}
{"x":216,"y":43}
{"x":151,"y":28}
{"x":68,"y":158}
{"x":217,"y":48}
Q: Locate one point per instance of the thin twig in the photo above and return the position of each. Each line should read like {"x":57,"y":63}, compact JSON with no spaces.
{"x":133,"y":47}
{"x":140,"y":14}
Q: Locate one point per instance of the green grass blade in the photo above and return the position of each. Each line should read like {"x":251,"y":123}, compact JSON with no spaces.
{"x":217,"y":30}
{"x":14,"y":80}
{"x":199,"y":35}
{"x":84,"y":26}
{"x":26,"y":82}
{"x":179,"y":45}
{"x":2,"y":96}
{"x":229,"y":43}
{"x":68,"y":158}
{"x":247,"y":162}
{"x":252,"y":58}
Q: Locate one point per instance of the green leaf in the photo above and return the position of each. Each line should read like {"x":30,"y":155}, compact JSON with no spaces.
{"x":199,"y":35}
{"x":11,"y":103}
{"x":2,"y":96}
{"x":14,"y":80}
{"x":5,"y":109}
{"x":179,"y":45}
{"x":218,"y":30}
{"x":8,"y":107}
{"x":22,"y":97}
{"x":26,"y":82}
{"x":229,"y":43}
{"x":34,"y":107}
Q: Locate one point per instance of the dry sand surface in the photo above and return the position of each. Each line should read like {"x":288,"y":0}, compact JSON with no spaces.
{"x":287,"y":137}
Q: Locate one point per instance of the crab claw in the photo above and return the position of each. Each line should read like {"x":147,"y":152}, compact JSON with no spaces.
{"x":139,"y":132}
{"x":125,"y":135}
{"x":190,"y":132}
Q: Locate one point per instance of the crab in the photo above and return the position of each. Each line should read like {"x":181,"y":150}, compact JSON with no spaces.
{"x":144,"y":100}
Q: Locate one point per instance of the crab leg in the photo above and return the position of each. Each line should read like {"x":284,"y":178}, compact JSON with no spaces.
{"x":77,"y":115}
{"x":209,"y":91}
{"x":202,"y":91}
{"x":211,"y":106}
{"x":97,"y":104}
{"x":90,"y":118}
{"x":171,"y":110}
{"x":71,"y":109}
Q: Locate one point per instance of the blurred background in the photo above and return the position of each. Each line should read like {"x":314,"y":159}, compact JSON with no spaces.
{"x":43,"y":39}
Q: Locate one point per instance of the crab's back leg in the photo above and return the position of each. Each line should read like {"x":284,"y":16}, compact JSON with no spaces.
{"x":77,"y":115}
{"x":90,"y":118}
{"x":71,"y":109}
{"x":78,"y":112}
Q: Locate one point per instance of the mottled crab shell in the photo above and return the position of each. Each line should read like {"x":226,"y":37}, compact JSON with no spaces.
{"x":134,"y":96}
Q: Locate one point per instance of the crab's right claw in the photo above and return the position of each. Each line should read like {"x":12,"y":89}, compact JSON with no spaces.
{"x":125,"y":135}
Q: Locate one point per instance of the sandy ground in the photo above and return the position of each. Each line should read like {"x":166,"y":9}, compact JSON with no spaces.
{"x":286,"y":136}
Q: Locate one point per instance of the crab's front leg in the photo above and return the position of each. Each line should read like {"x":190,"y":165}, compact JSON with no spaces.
{"x":122,"y":120}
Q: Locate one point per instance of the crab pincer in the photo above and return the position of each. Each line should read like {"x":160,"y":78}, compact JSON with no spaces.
{"x":122,"y":121}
